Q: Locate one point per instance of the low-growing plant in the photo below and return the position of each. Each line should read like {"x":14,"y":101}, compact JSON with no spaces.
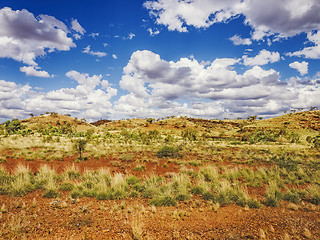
{"x":140,"y":168}
{"x":169,"y":151}
{"x":66,"y":186}
{"x":292,"y":196}
{"x":163,"y":201}
{"x":273,"y":195}
{"x":131,"y":180}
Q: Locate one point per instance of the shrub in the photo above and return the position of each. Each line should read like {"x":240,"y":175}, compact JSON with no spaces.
{"x":140,"y":168}
{"x":105,"y":195}
{"x":313,"y":195}
{"x":13,"y":126}
{"x":197,"y":190}
{"x":163,"y":201}
{"x":132,"y":180}
{"x":66,"y":186}
{"x":169,"y":151}
{"x":51,"y":193}
{"x":292,"y":196}
{"x":315,"y":141}
{"x":190,"y":134}
{"x":209,"y":196}
{"x":273,"y":195}
{"x":76,"y":193}
{"x":285,"y":161}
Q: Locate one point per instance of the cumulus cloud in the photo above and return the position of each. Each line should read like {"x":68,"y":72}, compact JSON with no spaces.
{"x":312,"y":52}
{"x":284,"y":18}
{"x":114,"y":56}
{"x":301,"y":67}
{"x":90,"y":98}
{"x":75,"y":25}
{"x":157,"y":87}
{"x":264,"y":57}
{"x":23,"y":37}
{"x":237,"y":40}
{"x":33,"y":71}
{"x":93,"y":53}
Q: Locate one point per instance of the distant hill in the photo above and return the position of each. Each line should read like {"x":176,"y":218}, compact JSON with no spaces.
{"x":55,"y":120}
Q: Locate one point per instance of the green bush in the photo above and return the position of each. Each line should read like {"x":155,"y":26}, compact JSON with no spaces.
{"x":140,"y":168}
{"x":76,"y":193}
{"x":253,"y":203}
{"x":168,"y":151}
{"x":51,"y":193}
{"x":315,"y":141}
{"x":132,"y":180}
{"x":273,"y":195}
{"x":105,"y":195}
{"x":13,"y":126}
{"x":66,"y":186}
{"x":197,"y":190}
{"x":189,"y":134}
{"x":209,"y":196}
{"x":163,"y":201}
{"x":291,"y":196}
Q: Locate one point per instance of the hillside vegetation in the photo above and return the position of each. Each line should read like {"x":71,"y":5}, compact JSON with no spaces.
{"x":179,"y":169}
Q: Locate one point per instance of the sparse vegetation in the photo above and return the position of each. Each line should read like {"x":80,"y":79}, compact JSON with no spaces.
{"x":195,"y":166}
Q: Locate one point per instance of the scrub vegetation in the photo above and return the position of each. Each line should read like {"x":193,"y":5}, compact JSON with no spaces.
{"x":173,"y":162}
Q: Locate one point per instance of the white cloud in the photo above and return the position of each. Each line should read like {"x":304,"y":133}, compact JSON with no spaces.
{"x":282,"y":18}
{"x":32,"y":71}
{"x":94,"y":35}
{"x":152,"y":32}
{"x":158,"y":88}
{"x":264,"y":57}
{"x":301,"y":67}
{"x":114,"y":56}
{"x":237,"y":40}
{"x":312,"y":52}
{"x":89,"y":99}
{"x":77,"y":27}
{"x":24,"y":37}
{"x":93,"y":53}
{"x":131,"y":35}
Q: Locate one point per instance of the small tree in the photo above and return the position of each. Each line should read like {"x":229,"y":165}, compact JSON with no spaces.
{"x":79,"y":146}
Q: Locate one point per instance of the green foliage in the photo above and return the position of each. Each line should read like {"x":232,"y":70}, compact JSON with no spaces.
{"x":284,"y":160}
{"x":51,"y":193}
{"x":13,"y":126}
{"x":292,"y":196}
{"x":150,"y":120}
{"x":293,"y":137}
{"x":314,"y":141}
{"x":169,"y":151}
{"x":131,"y":180}
{"x":273,"y":195}
{"x":79,"y":146}
{"x":189,"y":134}
{"x":76,"y":193}
{"x":66,"y":186}
{"x":163,"y":201}
{"x":313,"y":194}
{"x":261,"y":136}
{"x":140,"y":168}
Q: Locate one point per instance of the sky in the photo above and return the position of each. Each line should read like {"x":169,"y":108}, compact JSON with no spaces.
{"x":119,"y":59}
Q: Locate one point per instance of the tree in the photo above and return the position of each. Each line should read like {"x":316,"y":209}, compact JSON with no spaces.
{"x":79,"y":146}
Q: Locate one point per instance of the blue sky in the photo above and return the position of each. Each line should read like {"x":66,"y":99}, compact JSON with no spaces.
{"x":123,"y":59}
